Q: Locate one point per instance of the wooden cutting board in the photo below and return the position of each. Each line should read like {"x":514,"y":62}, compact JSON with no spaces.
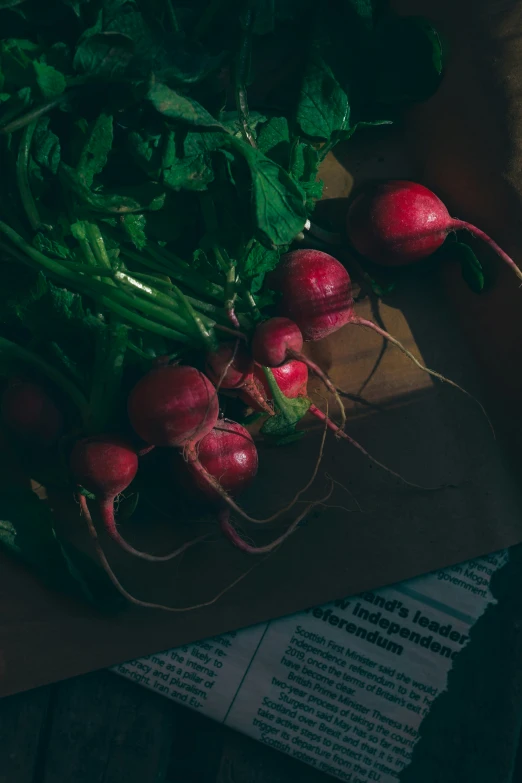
{"x":373,"y":531}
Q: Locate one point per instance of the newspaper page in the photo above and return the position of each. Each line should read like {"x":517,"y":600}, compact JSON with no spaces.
{"x":342,"y":687}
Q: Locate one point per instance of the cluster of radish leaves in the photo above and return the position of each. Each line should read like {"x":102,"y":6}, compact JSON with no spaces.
{"x":158,"y":157}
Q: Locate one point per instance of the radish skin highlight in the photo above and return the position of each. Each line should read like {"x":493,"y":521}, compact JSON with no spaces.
{"x":398,"y":222}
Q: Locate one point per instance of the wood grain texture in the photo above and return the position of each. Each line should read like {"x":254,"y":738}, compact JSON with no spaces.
{"x":23,"y":720}
{"x":105,"y":730}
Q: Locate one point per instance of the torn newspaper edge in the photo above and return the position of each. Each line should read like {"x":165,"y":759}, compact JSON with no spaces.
{"x":342,"y":687}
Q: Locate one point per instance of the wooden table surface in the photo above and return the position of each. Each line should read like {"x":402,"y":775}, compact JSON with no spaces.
{"x":101,"y":728}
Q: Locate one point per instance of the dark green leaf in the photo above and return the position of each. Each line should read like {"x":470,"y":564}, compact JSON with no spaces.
{"x":180,"y":107}
{"x":146,"y":149}
{"x":45,"y":148}
{"x":187,"y":160}
{"x":51,"y":82}
{"x":471,"y":268}
{"x":274,"y":140}
{"x":149,"y":196}
{"x":278,"y":203}
{"x":323,"y":107}
{"x":50,"y":247}
{"x":16,"y":57}
{"x":103,"y":55}
{"x":230,"y":121}
{"x":134,"y":226}
{"x":94,"y":155}
{"x":283,"y":424}
{"x":15,"y":105}
{"x":51,"y":313}
{"x":27,"y":531}
{"x":259,"y":261}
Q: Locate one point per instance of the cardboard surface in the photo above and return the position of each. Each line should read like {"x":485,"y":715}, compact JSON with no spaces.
{"x":374,"y":530}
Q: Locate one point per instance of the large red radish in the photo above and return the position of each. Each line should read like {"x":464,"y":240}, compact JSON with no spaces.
{"x":398,"y":222}
{"x":173,"y":405}
{"x":316,"y":292}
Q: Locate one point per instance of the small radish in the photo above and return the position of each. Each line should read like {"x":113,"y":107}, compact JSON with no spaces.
{"x":316,"y":293}
{"x":231,"y":367}
{"x":105,"y":466}
{"x":227,"y":453}
{"x":399,"y":222}
{"x":292,"y":379}
{"x":279,"y":339}
{"x":173,"y":405}
{"x":29,"y":412}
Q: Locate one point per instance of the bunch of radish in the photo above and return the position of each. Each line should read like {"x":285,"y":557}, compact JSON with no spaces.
{"x":175,"y":407}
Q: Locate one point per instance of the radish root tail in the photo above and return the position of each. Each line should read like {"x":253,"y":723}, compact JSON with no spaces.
{"x":233,"y":536}
{"x":315,"y":411}
{"x":419,"y":364}
{"x":149,"y":604}
{"x":110,"y":526}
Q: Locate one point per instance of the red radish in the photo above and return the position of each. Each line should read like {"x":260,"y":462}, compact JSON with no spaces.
{"x":173,"y":405}
{"x":231,"y":367}
{"x":28,"y":411}
{"x":399,"y":222}
{"x":279,"y":339}
{"x":178,"y":406}
{"x":227,"y":453}
{"x":105,"y":466}
{"x":275,"y":341}
{"x":317,"y":294}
